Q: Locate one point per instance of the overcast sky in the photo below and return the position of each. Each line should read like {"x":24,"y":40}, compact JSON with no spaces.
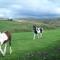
{"x":29,"y":8}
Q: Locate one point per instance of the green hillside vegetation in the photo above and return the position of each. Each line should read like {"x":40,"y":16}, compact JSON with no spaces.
{"x":23,"y":45}
{"x":25,"y":48}
{"x":26,"y":25}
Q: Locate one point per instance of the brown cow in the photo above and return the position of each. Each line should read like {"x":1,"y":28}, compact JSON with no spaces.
{"x":4,"y":38}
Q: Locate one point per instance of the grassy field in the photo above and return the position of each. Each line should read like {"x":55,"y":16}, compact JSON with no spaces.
{"x":20,"y":26}
{"x":25,"y":48}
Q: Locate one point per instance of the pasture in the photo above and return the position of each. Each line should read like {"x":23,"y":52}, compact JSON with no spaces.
{"x":25,"y":48}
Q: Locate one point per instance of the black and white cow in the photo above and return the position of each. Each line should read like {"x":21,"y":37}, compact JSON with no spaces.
{"x":37,"y":31}
{"x":4,"y":38}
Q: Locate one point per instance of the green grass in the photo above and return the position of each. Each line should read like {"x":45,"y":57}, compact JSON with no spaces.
{"x":25,"y":48}
{"x":14,"y":26}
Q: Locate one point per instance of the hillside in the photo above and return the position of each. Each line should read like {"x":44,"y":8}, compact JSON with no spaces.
{"x":23,"y":45}
{"x":26,"y":25}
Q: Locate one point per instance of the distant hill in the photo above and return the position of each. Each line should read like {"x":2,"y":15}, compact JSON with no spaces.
{"x":18,"y":25}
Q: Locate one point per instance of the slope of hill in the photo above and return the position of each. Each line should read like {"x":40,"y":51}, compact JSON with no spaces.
{"x":26,"y":25}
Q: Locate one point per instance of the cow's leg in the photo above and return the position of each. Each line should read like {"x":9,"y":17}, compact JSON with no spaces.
{"x":3,"y":52}
{"x":38,"y":36}
{"x":10,"y":45}
{"x":34,"y":36}
{"x":10,"y":50}
{"x":5,"y":49}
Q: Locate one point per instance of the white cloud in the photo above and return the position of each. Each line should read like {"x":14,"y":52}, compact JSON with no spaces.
{"x":1,"y":15}
{"x":4,"y":12}
{"x":57,"y":10}
{"x":13,"y":8}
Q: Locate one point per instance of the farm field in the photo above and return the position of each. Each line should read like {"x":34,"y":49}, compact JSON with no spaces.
{"x":25,"y":48}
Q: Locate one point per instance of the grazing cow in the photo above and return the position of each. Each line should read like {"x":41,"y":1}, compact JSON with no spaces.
{"x":4,"y":38}
{"x":37,"y":31}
